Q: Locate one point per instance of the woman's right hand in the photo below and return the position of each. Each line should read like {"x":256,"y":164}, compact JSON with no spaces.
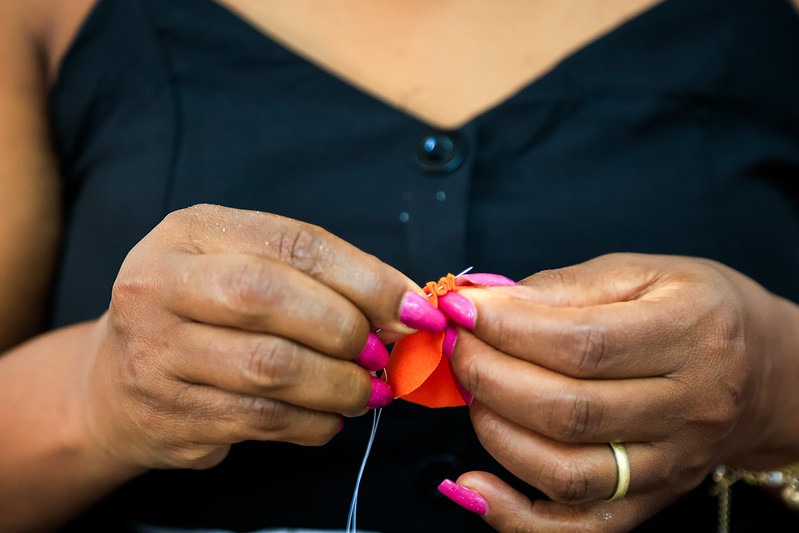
{"x":228,"y":325}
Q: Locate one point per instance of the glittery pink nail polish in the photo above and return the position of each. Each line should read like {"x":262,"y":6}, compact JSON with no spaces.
{"x":450,"y":338}
{"x":382,"y":395}
{"x":466,"y":498}
{"x":374,"y":355}
{"x":417,"y":313}
{"x":484,"y":279}
{"x":459,"y":309}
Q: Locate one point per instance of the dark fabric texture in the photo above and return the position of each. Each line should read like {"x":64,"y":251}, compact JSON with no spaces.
{"x":676,"y":133}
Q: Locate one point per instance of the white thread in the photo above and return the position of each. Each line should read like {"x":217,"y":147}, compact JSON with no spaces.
{"x":353,"y":516}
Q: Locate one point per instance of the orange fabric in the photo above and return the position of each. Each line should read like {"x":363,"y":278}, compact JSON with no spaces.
{"x":434,"y":289}
{"x":417,"y":371}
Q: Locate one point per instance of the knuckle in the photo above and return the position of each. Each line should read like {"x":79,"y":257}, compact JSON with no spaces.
{"x":129,"y":294}
{"x":589,"y":344}
{"x":574,"y":415}
{"x":184,"y":224}
{"x":199,"y":457}
{"x":349,"y":334}
{"x":727,"y":330}
{"x":494,"y":435}
{"x":272,"y":364}
{"x":141,"y":353}
{"x":305,"y":247}
{"x":558,"y":276}
{"x":270,"y":415}
{"x":566,"y":481}
{"x":245,"y":288}
{"x":176,"y":219}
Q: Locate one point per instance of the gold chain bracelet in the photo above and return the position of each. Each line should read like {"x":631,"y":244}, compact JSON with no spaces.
{"x":785,"y":479}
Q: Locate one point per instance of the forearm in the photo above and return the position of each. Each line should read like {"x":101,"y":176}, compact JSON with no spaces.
{"x":51,"y":468}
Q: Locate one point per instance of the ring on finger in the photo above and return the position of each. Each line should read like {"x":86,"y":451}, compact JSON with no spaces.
{"x":622,"y":470}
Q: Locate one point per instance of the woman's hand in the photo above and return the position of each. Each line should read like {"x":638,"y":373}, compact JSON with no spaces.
{"x":685,"y":361}
{"x":229,"y":325}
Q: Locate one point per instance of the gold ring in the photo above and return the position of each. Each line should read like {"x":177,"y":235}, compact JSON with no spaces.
{"x":622,"y":470}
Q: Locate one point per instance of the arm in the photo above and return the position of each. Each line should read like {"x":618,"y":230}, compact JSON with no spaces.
{"x":206,"y":342}
{"x":30,"y":217}
{"x":48,"y":471}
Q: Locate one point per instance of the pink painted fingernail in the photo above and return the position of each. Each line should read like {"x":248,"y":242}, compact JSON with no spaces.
{"x":450,"y":338}
{"x":466,"y":498}
{"x":459,"y":309}
{"x":448,"y":346}
{"x":374,"y":355}
{"x":484,"y":279}
{"x":382,"y":395}
{"x":340,"y":426}
{"x":466,"y":395}
{"x":417,"y":313}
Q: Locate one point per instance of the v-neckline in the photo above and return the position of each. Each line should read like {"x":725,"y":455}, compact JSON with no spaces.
{"x":520,"y":93}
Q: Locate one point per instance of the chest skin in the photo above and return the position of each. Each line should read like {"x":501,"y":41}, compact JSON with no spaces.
{"x":442,"y":62}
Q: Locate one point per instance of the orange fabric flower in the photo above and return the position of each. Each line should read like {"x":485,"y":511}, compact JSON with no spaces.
{"x":417,"y":371}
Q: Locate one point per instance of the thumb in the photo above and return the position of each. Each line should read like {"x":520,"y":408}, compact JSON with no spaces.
{"x":503,"y":507}
{"x":506,"y":509}
{"x":606,"y":279}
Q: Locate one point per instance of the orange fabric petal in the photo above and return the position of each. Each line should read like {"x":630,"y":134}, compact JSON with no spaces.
{"x":439,"y":390}
{"x":419,"y":373}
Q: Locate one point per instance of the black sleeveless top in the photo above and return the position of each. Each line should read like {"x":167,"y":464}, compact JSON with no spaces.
{"x":676,"y":133}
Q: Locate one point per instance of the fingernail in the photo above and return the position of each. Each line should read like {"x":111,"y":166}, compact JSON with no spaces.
{"x":374,"y":355}
{"x":450,"y":338}
{"x":487,"y":280}
{"x":466,"y":395}
{"x":418,"y":313}
{"x":340,"y":426}
{"x":459,"y":309}
{"x":466,"y":498}
{"x":382,"y":395}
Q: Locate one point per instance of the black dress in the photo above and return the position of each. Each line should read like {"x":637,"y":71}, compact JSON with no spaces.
{"x":676,"y":133}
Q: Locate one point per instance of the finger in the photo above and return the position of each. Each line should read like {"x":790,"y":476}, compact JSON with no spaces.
{"x":483,"y":279}
{"x":207,"y":415}
{"x":271,"y":367}
{"x":265,"y":296}
{"x":605,"y":279}
{"x":564,"y":408}
{"x":508,"y":510}
{"x":377,"y":289}
{"x":615,"y":340}
{"x":567,"y":473}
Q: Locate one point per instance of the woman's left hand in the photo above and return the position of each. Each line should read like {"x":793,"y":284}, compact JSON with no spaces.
{"x":687,"y":362}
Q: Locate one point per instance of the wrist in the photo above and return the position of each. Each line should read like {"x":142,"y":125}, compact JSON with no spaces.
{"x":773,"y":430}
{"x":100,"y":418}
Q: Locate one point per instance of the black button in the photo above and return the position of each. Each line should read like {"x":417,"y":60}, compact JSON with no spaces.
{"x":438,"y":153}
{"x":432,"y":471}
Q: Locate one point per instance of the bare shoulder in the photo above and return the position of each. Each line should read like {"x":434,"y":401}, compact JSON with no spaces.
{"x":30,"y":221}
{"x":41,"y":27}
